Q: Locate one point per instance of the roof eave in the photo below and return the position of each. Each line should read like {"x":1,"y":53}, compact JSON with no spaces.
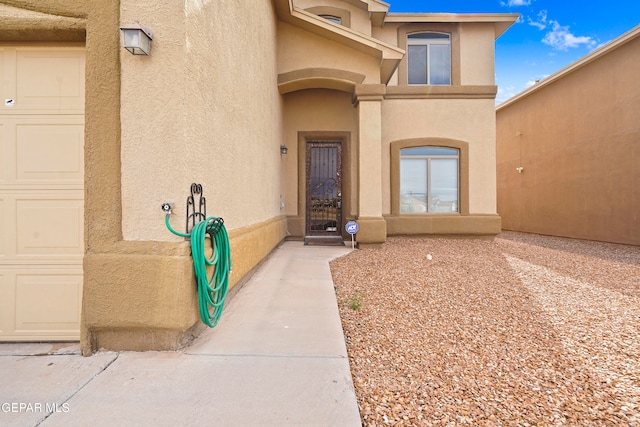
{"x":501,"y":21}
{"x":388,"y":55}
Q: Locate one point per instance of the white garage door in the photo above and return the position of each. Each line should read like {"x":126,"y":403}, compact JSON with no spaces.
{"x":41,"y":192}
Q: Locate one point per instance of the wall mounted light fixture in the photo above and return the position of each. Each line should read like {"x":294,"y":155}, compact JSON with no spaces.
{"x":137,"y":38}
{"x":519,"y":169}
{"x":283,"y":149}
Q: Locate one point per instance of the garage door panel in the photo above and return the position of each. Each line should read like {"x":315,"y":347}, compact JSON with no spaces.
{"x":6,"y":296}
{"x":50,"y":79}
{"x":48,"y":301}
{"x":5,"y":231}
{"x":3,"y":152}
{"x":51,"y":152}
{"x":49,"y":227}
{"x":41,"y":192}
{"x":7,"y":164}
{"x":7,"y":73}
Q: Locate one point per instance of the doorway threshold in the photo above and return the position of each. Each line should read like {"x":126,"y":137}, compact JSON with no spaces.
{"x":324,"y":240}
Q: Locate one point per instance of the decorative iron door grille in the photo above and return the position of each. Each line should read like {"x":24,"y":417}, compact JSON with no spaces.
{"x":324,"y":189}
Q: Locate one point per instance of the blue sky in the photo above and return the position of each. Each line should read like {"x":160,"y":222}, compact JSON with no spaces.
{"x":549,"y":35}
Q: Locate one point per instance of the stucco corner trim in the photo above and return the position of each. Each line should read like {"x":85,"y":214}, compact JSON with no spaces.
{"x":369,"y":92}
{"x":442,"y":92}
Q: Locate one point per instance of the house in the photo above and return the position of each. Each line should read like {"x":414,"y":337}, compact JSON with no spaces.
{"x":568,"y":150}
{"x":294,"y":117}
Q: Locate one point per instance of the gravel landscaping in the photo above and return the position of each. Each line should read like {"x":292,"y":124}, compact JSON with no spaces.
{"x":519,"y":330}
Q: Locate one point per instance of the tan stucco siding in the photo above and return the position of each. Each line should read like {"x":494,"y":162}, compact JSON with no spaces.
{"x":185,"y":118}
{"x":477,"y":61}
{"x":464,"y":120}
{"x":299,"y":49}
{"x":577,"y":142}
{"x":388,"y":34}
{"x":358,"y":17}
{"x":197,"y":110}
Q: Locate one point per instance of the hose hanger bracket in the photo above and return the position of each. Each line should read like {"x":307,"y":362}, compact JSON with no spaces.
{"x":212,"y":288}
{"x":195,"y":216}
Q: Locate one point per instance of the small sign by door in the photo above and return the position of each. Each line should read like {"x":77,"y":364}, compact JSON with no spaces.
{"x":351,"y":227}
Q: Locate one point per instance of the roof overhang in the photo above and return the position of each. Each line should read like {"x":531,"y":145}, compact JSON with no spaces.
{"x":501,"y":21}
{"x":388,"y":55}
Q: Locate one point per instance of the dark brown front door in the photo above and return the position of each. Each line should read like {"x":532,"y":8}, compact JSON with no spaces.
{"x":324,"y":191}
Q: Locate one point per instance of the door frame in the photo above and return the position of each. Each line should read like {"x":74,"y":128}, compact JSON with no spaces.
{"x":323,"y":235}
{"x":297,"y":223}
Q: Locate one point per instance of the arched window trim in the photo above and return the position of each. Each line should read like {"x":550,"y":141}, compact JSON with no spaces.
{"x":322,"y":11}
{"x":463,"y":170}
{"x":428,"y":46}
{"x":449,"y":28}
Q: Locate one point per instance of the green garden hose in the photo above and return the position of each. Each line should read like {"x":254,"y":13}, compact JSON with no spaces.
{"x":212,"y":292}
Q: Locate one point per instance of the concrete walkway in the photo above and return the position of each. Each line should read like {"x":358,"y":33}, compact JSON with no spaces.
{"x":277,"y":358}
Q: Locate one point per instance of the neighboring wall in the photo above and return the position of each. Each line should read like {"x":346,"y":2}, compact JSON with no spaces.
{"x":576,"y":136}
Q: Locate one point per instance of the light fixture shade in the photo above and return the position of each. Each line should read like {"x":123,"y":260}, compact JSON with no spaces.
{"x":137,"y":38}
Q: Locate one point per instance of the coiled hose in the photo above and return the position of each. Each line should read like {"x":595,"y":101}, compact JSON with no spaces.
{"x":212,"y":292}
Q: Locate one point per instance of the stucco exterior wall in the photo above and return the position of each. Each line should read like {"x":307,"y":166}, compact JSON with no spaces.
{"x":358,"y":17}
{"x":184,"y":118}
{"x":477,"y":54}
{"x":300,"y":49}
{"x":576,"y":139}
{"x":463,"y":120}
{"x":198,"y":111}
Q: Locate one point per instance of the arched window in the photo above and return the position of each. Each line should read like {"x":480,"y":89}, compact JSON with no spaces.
{"x":332,"y":18}
{"x":429,"y":180}
{"x":429,"y":58}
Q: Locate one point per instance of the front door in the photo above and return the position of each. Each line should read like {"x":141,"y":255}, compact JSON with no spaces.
{"x":324,"y":192}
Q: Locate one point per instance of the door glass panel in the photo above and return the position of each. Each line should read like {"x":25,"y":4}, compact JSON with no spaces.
{"x":324,"y":192}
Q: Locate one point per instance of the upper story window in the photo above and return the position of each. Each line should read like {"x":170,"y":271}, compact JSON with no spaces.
{"x":429,"y":59}
{"x":332,"y":18}
{"x":429,"y":180}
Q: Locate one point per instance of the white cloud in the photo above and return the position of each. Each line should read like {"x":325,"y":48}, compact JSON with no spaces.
{"x":541,"y":21}
{"x":561,"y":38}
{"x":512,"y":3}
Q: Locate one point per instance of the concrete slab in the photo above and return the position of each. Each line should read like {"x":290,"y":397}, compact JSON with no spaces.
{"x":277,"y":358}
{"x":39,"y":349}
{"x":169,"y":389}
{"x":289,"y":309}
{"x":33,"y":387}
{"x":278,"y":318}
